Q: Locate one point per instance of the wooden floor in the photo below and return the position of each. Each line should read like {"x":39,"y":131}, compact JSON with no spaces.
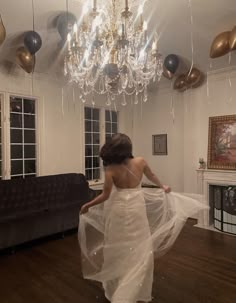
{"x":201,"y":268}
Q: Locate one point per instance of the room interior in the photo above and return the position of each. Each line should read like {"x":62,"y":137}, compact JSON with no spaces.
{"x":185,"y":28}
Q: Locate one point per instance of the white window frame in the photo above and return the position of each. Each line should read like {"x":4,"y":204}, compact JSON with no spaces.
{"x":6,"y":157}
{"x":99,"y":182}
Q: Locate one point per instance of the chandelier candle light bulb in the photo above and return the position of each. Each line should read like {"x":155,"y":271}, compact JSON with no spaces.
{"x":108,"y":55}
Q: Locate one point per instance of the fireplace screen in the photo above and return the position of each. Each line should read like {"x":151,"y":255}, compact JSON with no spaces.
{"x":224,"y":207}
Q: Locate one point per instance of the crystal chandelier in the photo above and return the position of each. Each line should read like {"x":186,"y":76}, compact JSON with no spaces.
{"x":109,"y":53}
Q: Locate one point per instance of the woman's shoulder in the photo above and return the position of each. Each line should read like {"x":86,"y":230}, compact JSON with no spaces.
{"x":139,"y":159}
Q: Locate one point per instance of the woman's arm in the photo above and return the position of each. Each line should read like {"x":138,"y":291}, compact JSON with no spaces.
{"x":107,"y":187}
{"x":153,"y":178}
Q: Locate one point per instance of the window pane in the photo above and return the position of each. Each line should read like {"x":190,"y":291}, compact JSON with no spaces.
{"x":96,"y":174}
{"x":88,"y":174}
{"x":16,"y":120}
{"x":88,"y":113}
{"x":29,"y":151}
{"x":16,"y":151}
{"x":15,"y":104}
{"x":30,"y":166}
{"x":96,"y":139}
{"x":96,"y":150}
{"x":114,"y":116}
{"x":95,"y":114}
{"x":88,"y":126}
{"x":95,"y":127}
{"x":114,"y":128}
{"x":88,"y":138}
{"x":16,"y":136}
{"x":96,"y":162}
{"x":29,"y":136}
{"x":108,"y":127}
{"x":29,"y":121}
{"x":17,"y":177}
{"x":16,"y":167}
{"x":108,"y":116}
{"x":88,"y":162}
{"x":30,"y":176}
{"x":88,"y":150}
{"x":29,"y":106}
{"x":108,"y":137}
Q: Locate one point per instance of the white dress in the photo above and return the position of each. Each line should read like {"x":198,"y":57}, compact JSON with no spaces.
{"x":120,"y":237}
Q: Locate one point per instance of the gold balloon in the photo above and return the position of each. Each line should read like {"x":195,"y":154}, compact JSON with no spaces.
{"x":232,"y":39}
{"x":220,"y":45}
{"x":180,"y":83}
{"x":193,"y":76}
{"x":2,"y":31}
{"x":199,"y":82}
{"x":25,"y":60}
{"x":166,"y":73}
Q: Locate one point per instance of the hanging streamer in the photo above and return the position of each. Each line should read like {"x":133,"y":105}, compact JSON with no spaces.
{"x":32,"y":83}
{"x":115,"y":108}
{"x":33,"y":17}
{"x":141,"y":107}
{"x":230,"y":83}
{"x":191,"y":34}
{"x":207,"y":85}
{"x":73,"y":97}
{"x":172,"y":111}
{"x":62,"y":101}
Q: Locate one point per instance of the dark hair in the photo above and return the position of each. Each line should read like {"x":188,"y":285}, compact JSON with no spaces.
{"x":116,"y":150}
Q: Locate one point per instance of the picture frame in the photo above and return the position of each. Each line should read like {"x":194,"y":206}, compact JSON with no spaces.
{"x":222,"y":143}
{"x":159,"y":144}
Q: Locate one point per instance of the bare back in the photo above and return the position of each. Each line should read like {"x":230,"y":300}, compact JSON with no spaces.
{"x":129,"y":174}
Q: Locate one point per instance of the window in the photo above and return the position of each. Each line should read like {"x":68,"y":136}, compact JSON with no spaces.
{"x":95,"y":135}
{"x":111,"y":123}
{"x":19,"y":138}
{"x":92,"y":143}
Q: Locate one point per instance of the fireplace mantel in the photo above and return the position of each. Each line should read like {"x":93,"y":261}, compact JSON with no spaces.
{"x":206,"y":177}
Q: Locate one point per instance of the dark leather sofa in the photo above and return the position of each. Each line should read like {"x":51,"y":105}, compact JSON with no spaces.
{"x":32,"y":208}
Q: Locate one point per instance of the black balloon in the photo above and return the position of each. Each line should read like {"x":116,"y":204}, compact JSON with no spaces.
{"x":32,"y":41}
{"x":65,"y":23}
{"x":171,"y":63}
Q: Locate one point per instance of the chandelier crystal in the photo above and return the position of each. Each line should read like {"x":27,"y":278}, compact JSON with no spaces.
{"x":109,"y":53}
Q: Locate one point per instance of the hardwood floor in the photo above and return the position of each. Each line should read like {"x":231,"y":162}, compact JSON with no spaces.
{"x":200,"y":268}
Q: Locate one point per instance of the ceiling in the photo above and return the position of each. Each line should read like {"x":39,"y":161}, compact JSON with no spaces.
{"x":170,"y":18}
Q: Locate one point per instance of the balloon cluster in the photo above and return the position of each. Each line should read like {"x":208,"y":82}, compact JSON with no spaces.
{"x":25,"y":55}
{"x":2,"y":31}
{"x":223,"y":43}
{"x":192,"y":79}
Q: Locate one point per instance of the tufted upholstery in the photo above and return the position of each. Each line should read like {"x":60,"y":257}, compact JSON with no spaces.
{"x":42,"y":205}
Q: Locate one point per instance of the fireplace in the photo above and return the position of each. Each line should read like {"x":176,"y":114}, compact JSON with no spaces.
{"x":222,"y":215}
{"x":219,"y":190}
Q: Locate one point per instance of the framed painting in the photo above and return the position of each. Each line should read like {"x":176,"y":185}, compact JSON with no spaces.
{"x":159,"y":144}
{"x":222,"y":142}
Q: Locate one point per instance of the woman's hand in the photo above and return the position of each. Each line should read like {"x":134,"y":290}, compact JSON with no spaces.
{"x":166,"y":188}
{"x":84,"y":209}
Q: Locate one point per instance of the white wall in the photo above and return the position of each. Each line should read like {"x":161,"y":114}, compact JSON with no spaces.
{"x":188,"y":135}
{"x":60,"y":119}
{"x":155,"y":118}
{"x":199,"y":106}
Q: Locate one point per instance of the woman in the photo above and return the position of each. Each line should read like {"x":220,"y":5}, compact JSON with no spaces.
{"x":118,"y":237}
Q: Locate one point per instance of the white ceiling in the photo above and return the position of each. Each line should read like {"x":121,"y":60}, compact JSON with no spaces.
{"x":171,"y":19}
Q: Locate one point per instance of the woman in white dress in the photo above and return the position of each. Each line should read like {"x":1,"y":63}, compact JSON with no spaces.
{"x":119,"y":238}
